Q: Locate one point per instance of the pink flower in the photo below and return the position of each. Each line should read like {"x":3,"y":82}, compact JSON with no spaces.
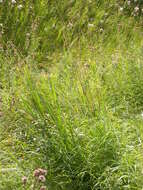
{"x":43,"y":188}
{"x":24,"y":180}
{"x":42,"y":171}
{"x":19,"y":7}
{"x":39,"y":172}
{"x":36,"y":173}
{"x":42,"y":178}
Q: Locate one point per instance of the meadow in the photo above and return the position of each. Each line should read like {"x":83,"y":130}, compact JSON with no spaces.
{"x":71,"y":95}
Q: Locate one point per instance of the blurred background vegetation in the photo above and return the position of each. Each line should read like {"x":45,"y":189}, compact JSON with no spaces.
{"x":71,"y":94}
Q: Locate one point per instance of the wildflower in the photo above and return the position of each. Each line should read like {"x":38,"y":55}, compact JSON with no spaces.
{"x":1,"y":1}
{"x":43,"y":188}
{"x":42,"y":178}
{"x":106,"y":14}
{"x":81,"y":135}
{"x":13,"y":1}
{"x":91,"y":19}
{"x":121,"y":9}
{"x":36,"y":173}
{"x":86,"y":65}
{"x":24,"y":180}
{"x":136,"y":9}
{"x":101,"y":21}
{"x":128,"y":2}
{"x":101,"y":29}
{"x":32,"y":186}
{"x":69,"y":24}
{"x":90,"y":25}
{"x":40,"y":172}
{"x":19,"y":7}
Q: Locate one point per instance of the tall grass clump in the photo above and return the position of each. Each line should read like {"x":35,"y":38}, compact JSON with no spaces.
{"x":76,"y":149}
{"x":77,"y":133}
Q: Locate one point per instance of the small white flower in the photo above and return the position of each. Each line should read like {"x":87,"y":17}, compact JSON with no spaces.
{"x":106,"y":14}
{"x":28,"y":34}
{"x":90,"y":25}
{"x":136,"y":9}
{"x":81,"y":135}
{"x":13,"y":1}
{"x":69,"y":24}
{"x":121,"y":9}
{"x":1,"y":1}
{"x":142,"y":114}
{"x":101,"y":29}
{"x":128,"y":2}
{"x":19,"y":7}
{"x":101,"y":21}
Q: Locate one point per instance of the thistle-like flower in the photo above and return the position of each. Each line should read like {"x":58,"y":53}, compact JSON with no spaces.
{"x":36,"y":173}
{"x":24,"y":180}
{"x":42,"y":178}
{"x":39,"y":172}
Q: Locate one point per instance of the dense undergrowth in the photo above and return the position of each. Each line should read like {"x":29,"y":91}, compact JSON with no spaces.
{"x":71,"y":94}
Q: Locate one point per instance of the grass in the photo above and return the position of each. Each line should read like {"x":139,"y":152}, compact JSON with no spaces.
{"x":71,"y":96}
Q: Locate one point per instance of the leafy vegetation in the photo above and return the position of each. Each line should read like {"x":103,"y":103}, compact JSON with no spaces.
{"x":71,"y":95}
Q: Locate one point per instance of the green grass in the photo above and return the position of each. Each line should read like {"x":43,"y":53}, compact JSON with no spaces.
{"x":71,"y":95}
